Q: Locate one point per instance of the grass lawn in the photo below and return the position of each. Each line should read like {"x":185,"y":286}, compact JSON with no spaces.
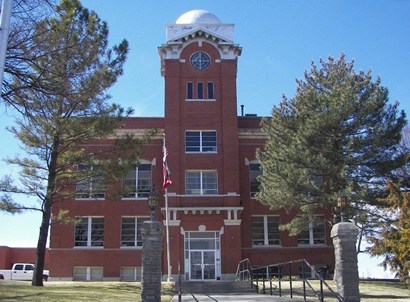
{"x":370,"y":291}
{"x":77,"y":291}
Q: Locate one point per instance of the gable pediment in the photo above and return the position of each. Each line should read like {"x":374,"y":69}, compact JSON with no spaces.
{"x":218,"y":31}
{"x":189,"y":33}
{"x":180,"y":35}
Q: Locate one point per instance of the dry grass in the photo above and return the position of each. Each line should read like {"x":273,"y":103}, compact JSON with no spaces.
{"x":370,"y":291}
{"x":77,"y":291}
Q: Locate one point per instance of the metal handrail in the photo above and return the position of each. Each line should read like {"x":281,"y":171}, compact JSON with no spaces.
{"x":244,"y":267}
{"x":253,"y":273}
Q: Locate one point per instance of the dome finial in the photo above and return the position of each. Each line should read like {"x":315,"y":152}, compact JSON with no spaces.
{"x":198,"y":16}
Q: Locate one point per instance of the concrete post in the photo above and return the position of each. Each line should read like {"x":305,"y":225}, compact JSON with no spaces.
{"x":152,"y":233}
{"x":344,"y":236}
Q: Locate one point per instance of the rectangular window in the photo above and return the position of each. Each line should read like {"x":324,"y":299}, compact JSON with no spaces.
{"x":315,"y":233}
{"x":254,"y":172}
{"x":200,"y":90}
{"x":265,"y":230}
{"x":81,"y":273}
{"x":91,"y":184}
{"x":200,"y":141}
{"x":136,"y":182}
{"x":131,"y":273}
{"x":210,"y":90}
{"x":189,"y":91}
{"x":201,"y":183}
{"x":89,"y":232}
{"x":131,"y":231}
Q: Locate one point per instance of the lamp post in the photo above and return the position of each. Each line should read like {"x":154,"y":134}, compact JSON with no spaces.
{"x":346,"y":272}
{"x":151,"y":253}
{"x":153,"y":199}
{"x":342,"y":204}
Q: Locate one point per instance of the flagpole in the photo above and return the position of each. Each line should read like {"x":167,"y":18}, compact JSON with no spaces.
{"x":165,"y":184}
{"x":4,"y":34}
{"x":167,"y":231}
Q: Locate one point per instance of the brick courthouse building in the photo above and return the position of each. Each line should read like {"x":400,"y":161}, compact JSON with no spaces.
{"x":214,"y":219}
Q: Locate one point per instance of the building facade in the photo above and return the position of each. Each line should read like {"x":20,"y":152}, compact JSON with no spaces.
{"x":11,"y":255}
{"x":214,"y":219}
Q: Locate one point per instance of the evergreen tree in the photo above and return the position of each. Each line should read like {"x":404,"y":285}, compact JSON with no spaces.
{"x":26,"y":15}
{"x":338,"y":137}
{"x":393,"y":240}
{"x":63,"y":109}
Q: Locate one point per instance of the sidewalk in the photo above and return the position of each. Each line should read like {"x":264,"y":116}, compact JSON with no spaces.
{"x":231,"y":298}
{"x":225,"y":291}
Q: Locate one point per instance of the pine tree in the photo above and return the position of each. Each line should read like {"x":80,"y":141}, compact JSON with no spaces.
{"x":64,"y":108}
{"x":26,"y":15}
{"x":393,"y":239}
{"x":337,"y":137}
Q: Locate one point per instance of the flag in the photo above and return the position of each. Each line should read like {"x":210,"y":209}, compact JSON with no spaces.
{"x":165,"y":170}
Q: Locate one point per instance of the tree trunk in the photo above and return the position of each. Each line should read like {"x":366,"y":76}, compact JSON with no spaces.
{"x":45,"y":221}
{"x":41,"y":246}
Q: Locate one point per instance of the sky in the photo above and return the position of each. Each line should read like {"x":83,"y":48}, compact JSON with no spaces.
{"x":280,"y":39}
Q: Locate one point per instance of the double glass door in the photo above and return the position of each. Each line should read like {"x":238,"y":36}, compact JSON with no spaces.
{"x":202,"y":256}
{"x":202,"y":265}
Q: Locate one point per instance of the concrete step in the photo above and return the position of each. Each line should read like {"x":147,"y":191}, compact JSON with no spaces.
{"x":215,"y":287}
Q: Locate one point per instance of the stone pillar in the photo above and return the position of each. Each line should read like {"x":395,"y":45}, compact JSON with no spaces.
{"x":152,"y":232}
{"x":344,"y":236}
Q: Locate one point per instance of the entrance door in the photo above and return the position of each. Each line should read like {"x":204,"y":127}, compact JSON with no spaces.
{"x":202,"y":265}
{"x":202,"y":256}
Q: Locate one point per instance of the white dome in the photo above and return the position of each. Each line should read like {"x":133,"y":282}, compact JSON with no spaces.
{"x":198,"y":16}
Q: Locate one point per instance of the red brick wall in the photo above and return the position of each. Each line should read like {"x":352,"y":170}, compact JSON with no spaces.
{"x":11,"y":255}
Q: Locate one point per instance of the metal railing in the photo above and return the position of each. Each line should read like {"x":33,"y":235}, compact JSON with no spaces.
{"x":244,"y":269}
{"x":179,"y":281}
{"x":275,"y":275}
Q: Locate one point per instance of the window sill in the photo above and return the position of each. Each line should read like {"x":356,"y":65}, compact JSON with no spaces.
{"x":88,"y":247}
{"x":134,"y":198}
{"x":200,"y":100}
{"x":201,"y":152}
{"x":84,"y":198}
{"x":201,"y":195}
{"x":313,"y":245}
{"x":267,"y":246}
{"x":131,"y":247}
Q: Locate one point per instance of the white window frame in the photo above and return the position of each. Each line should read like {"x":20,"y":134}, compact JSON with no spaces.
{"x":90,"y":273}
{"x":92,"y":192}
{"x":266,"y":231}
{"x":252,"y":194}
{"x":135,"y":270}
{"x":313,"y":238}
{"x":90,"y":242}
{"x":137,"y":231}
{"x":201,"y":190}
{"x":201,"y":148}
{"x":137,"y":194}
